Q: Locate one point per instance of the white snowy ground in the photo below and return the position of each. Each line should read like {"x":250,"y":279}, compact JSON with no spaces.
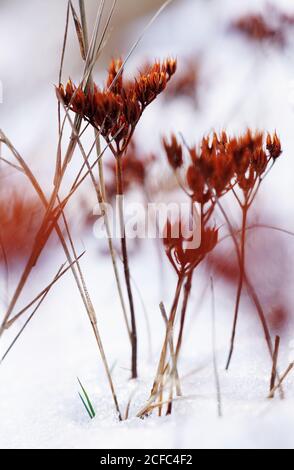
{"x":39,"y":403}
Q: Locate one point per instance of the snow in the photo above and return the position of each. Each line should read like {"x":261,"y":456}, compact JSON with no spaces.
{"x":39,"y":402}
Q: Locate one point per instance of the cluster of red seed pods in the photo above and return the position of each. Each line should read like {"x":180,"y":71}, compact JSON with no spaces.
{"x":116,"y":110}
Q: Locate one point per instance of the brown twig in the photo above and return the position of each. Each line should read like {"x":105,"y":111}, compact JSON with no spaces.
{"x":281,"y":380}
{"x":215,"y":365}
{"x":120,"y":194}
{"x":275,"y":362}
{"x":100,"y":191}
{"x":240,"y":284}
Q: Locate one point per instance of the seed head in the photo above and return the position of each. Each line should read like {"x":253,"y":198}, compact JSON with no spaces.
{"x":273,"y":145}
{"x":116,"y":110}
{"x":114,"y":81}
{"x":184,"y":259}
{"x":174,"y":152}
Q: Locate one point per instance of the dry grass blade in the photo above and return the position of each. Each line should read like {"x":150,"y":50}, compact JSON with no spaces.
{"x":30,"y":264}
{"x":275,"y":362}
{"x":94,"y":39}
{"x":281,"y":380}
{"x":171,"y":400}
{"x":100,"y":191}
{"x":60,"y":274}
{"x":146,"y":316}
{"x":64,"y":43}
{"x":37,"y":249}
{"x":127,"y":413}
{"x":175,"y":375}
{"x":6,"y":267}
{"x":79,"y":31}
{"x":42,"y":296}
{"x":162,"y":361}
{"x":49,"y":223}
{"x":250,"y":288}
{"x":58,"y":157}
{"x":80,"y":179}
{"x":90,"y":310}
{"x":137,"y":42}
{"x":165,"y":386}
{"x":16,"y":167}
{"x":262,"y":226}
{"x":94,"y":49}
{"x":215,"y":365}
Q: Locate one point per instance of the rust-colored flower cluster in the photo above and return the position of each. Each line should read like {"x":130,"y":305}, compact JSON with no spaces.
{"x":184,"y":258}
{"x":257,"y":28}
{"x":20,"y":219}
{"x":116,"y":109}
{"x":174,"y":152}
{"x":221,"y":163}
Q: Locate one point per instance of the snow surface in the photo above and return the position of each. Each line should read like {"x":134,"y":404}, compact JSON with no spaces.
{"x":39,"y":403}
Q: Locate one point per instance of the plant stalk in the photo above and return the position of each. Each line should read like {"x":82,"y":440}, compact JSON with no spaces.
{"x":120,"y":194}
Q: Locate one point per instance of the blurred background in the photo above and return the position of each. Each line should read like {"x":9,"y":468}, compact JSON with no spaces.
{"x":235,"y":70}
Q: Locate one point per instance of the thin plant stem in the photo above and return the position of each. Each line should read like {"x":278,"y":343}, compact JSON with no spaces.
{"x":162,"y":361}
{"x":240,"y":284}
{"x":100,"y":191}
{"x":274,"y":367}
{"x":172,"y":349}
{"x":187,"y":291}
{"x":281,"y":380}
{"x":251,"y":291}
{"x":120,"y":194}
{"x":42,"y":297}
{"x":215,"y":365}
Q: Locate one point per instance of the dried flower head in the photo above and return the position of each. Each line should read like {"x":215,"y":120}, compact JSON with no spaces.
{"x":174,"y":152}
{"x":211,"y":168}
{"x":273,"y":145}
{"x":257,"y":28}
{"x":223,"y":162}
{"x":115,"y":78}
{"x":116,"y":110}
{"x":184,"y":259}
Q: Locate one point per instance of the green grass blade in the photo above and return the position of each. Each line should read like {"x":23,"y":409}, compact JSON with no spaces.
{"x":85,"y":405}
{"x":87,"y":399}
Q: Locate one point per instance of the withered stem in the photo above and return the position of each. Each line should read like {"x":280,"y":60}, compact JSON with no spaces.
{"x":187,"y":291}
{"x":274,"y":367}
{"x":120,"y":193}
{"x":162,"y":361}
{"x":240,"y":284}
{"x":100,"y":189}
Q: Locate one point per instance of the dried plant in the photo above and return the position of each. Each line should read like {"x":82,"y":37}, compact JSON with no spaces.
{"x":238,"y":165}
{"x":257,"y":28}
{"x":269,"y":27}
{"x":220,"y":165}
{"x":115,"y":112}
